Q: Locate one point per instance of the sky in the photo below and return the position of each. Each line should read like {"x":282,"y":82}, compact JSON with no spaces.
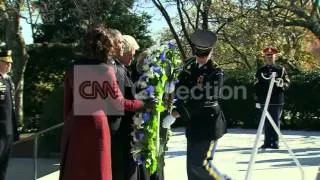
{"x":158,"y":22}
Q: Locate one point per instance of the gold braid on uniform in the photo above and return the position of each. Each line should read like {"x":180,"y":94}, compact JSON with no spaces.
{"x":207,"y":165}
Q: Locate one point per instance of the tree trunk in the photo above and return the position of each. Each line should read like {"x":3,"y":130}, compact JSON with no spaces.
{"x":16,"y":42}
{"x":205,"y":14}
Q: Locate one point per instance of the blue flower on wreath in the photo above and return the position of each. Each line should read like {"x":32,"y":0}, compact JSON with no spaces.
{"x":146,"y":116}
{"x":143,"y":78}
{"x":162,"y":56}
{"x":150,"y":90}
{"x":140,"y":159}
{"x":170,"y":44}
{"x":174,"y":100}
{"x":139,"y":135}
{"x":156,"y":69}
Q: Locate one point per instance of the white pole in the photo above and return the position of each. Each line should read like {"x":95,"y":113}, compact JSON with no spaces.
{"x":35,"y":158}
{"x":261,"y":124}
{"x":275,"y":127}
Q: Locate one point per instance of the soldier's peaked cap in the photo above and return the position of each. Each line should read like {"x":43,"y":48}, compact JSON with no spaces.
{"x":270,"y":50}
{"x":203,"y":39}
{"x":5,"y":55}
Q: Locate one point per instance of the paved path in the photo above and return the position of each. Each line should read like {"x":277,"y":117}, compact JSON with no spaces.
{"x":234,"y":150}
{"x":232,"y":157}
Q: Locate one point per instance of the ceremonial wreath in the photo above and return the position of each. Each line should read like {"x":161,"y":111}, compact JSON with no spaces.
{"x":160,"y":70}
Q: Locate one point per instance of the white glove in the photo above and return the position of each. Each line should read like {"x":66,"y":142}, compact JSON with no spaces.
{"x":168,"y":121}
{"x":279,"y":82}
{"x":258,"y":105}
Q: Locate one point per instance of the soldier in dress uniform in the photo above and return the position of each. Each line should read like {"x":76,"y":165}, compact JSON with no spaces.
{"x":261,"y":84}
{"x":8,"y":123}
{"x":200,"y":106}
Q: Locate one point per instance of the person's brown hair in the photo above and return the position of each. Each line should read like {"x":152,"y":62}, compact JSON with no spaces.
{"x":97,"y":43}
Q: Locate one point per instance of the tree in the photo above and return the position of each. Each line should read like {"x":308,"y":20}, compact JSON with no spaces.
{"x":242,"y":30}
{"x":247,"y":33}
{"x":303,"y":13}
{"x":10,"y":13}
{"x":200,"y":9}
{"x":249,"y":29}
{"x":65,"y":21}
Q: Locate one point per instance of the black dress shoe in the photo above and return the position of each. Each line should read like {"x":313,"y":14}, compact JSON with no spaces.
{"x":274,"y":147}
{"x":264,"y":146}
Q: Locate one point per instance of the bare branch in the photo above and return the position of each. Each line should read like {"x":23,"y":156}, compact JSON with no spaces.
{"x":242,"y":55}
{"x":165,"y":14}
{"x":205,"y":14}
{"x":185,"y":32}
{"x":294,"y":9}
{"x":187,"y":16}
{"x":198,"y":6}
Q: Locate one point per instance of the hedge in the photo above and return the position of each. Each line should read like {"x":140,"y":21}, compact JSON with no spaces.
{"x":302,"y":102}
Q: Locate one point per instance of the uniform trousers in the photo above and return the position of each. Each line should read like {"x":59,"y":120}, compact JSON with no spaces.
{"x":199,"y":154}
{"x":271,"y":138}
{"x":5,"y":149}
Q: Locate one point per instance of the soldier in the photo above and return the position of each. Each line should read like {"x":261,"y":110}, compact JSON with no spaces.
{"x":8,"y":123}
{"x":202,"y":79}
{"x":261,"y":85}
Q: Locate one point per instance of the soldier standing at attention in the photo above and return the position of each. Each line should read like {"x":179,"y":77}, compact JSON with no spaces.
{"x":202,"y":79}
{"x":261,"y":84}
{"x":8,"y":123}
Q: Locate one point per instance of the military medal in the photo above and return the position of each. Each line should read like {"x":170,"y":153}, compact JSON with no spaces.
{"x":200,"y":81}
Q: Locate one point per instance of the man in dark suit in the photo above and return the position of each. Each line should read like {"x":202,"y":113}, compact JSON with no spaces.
{"x":261,"y":84}
{"x":8,"y":124}
{"x":202,"y":79}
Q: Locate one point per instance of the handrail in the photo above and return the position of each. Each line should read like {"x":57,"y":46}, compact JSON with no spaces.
{"x":39,"y":133}
{"x":35,"y":146}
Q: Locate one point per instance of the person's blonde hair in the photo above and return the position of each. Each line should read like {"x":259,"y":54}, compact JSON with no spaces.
{"x":129,"y":44}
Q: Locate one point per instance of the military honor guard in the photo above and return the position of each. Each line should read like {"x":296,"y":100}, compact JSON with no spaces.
{"x":8,"y":123}
{"x":202,"y":79}
{"x":261,"y":84}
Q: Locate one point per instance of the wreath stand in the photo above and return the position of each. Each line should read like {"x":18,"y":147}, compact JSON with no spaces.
{"x":265,"y":114}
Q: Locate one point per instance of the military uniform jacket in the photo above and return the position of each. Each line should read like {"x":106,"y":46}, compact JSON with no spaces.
{"x":8,"y":123}
{"x":261,"y":84}
{"x":205,"y":119}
